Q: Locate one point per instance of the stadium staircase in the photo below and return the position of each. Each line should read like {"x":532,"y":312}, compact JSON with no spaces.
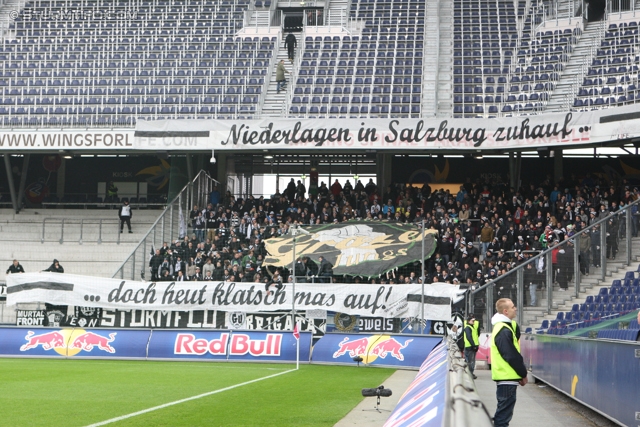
{"x":576,"y":69}
{"x":275,"y":104}
{"x":338,"y":12}
{"x":437,"y":91}
{"x":589,"y":286}
{"x":21,"y":237}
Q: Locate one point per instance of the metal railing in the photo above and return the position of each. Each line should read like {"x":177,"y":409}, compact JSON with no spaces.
{"x":171,"y":224}
{"x":608,"y":248}
{"x":75,"y":230}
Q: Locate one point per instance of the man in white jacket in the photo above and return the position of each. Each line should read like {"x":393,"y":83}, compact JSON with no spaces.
{"x":125,"y":216}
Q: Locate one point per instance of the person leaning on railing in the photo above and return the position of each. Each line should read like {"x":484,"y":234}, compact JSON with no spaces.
{"x":15,"y":267}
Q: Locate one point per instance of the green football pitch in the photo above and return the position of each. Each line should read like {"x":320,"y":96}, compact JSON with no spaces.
{"x":45,"y":392}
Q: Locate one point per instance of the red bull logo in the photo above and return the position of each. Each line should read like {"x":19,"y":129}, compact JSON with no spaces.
{"x":354,"y":348}
{"x":370,"y":348}
{"x":88,"y":340}
{"x":69,"y":342}
{"x":390,"y":346}
{"x":48,"y":341}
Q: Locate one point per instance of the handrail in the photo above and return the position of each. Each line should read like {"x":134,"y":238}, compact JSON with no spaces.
{"x":463,"y":405}
{"x":81,"y":221}
{"x":185,"y":198}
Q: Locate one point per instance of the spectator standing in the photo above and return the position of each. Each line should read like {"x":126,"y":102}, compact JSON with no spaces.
{"x":125,"y":215}
{"x":507,"y":365}
{"x":280,"y":80}
{"x":290,"y":42}
{"x":55,"y":267}
{"x":471,"y":342}
{"x":325,"y":270}
{"x":15,"y":268}
{"x":214,"y":196}
{"x":199,"y":224}
{"x":112,"y":192}
{"x":154,"y":265}
{"x":486,"y":236}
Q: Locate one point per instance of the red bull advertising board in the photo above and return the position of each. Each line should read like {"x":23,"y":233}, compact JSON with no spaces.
{"x":423,"y":403}
{"x":228,"y":345}
{"x":381,"y":349}
{"x":73,"y":342}
{"x":154,"y":344}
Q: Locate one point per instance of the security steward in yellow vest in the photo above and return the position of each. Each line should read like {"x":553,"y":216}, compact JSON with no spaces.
{"x":507,"y":365}
{"x":471,"y":342}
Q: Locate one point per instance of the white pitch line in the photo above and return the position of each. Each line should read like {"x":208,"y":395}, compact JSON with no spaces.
{"x":177,"y":402}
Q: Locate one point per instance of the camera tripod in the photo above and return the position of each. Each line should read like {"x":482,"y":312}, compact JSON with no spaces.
{"x":377,"y":407}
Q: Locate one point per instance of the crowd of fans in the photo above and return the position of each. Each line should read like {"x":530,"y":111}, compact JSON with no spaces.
{"x":484,"y":230}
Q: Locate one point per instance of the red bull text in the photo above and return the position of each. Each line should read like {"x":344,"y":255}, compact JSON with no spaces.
{"x":238,"y":345}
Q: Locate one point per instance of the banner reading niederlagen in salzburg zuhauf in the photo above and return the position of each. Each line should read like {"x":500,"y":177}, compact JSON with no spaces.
{"x":534,"y":131}
{"x":354,"y":299}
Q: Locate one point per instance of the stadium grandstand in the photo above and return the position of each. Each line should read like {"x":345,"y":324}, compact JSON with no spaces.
{"x":487,"y":145}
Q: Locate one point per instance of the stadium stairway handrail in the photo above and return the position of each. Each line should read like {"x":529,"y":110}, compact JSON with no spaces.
{"x":195,"y":192}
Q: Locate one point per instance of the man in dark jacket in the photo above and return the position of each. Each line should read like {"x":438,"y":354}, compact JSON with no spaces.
{"x":471,"y":342}
{"x":14,"y":268}
{"x":325,"y":270}
{"x":154,"y":265}
{"x":290,"y":43}
{"x":507,"y":365}
{"x":55,"y":267}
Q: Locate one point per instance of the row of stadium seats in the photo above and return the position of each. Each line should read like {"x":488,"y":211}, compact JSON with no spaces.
{"x":616,"y":62}
{"x":377,"y":74}
{"x":88,"y":70}
{"x":493,"y":51}
{"x":622,"y":297}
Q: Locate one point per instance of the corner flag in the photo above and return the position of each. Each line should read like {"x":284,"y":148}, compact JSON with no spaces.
{"x":296,"y":332}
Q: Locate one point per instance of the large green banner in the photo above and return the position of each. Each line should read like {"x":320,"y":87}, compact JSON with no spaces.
{"x":355,"y":248}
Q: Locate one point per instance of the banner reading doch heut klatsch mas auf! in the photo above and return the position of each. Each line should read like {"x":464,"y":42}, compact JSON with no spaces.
{"x":370,"y":300}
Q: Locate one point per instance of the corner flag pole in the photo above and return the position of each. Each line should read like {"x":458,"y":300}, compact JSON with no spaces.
{"x":294,"y":229}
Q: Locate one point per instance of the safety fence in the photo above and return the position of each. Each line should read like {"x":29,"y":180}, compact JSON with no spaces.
{"x":599,"y":373}
{"x":563,"y":270}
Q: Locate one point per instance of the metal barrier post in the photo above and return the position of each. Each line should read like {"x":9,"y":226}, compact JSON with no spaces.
{"x":44,"y":220}
{"x":576,"y":265}
{"x":629,"y":233}
{"x":548,"y":261}
{"x":489,"y":308}
{"x":162,"y":225}
{"x":171,"y":222}
{"x":133,"y":266}
{"x":62,"y":232}
{"x":100,"y":232}
{"x":144,"y":251}
{"x":81,"y":227}
{"x":603,"y":250}
{"x":520,"y":294}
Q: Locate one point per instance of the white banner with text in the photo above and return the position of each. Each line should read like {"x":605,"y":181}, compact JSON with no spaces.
{"x":536,"y":131}
{"x":354,"y":299}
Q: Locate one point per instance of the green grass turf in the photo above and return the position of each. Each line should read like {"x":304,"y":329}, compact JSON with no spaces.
{"x":42,"y":392}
